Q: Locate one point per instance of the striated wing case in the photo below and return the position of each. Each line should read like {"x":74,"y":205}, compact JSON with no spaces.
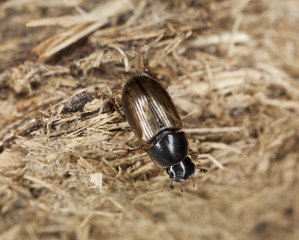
{"x":148,"y":108}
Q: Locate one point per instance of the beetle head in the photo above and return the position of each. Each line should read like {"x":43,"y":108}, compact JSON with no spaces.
{"x":181,"y":171}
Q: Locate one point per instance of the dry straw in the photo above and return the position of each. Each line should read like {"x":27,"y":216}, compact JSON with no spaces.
{"x":232,"y":69}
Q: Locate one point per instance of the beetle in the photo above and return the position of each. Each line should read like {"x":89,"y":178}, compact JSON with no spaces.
{"x":155,"y":121}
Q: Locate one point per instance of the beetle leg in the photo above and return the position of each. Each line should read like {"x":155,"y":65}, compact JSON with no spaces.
{"x":181,"y":187}
{"x":131,"y":151}
{"x":171,"y":185}
{"x":194,"y":157}
{"x":127,"y":153}
{"x":193,"y":182}
{"x":192,"y":154}
{"x":149,"y":72}
{"x":147,"y":69}
{"x":114,"y":103}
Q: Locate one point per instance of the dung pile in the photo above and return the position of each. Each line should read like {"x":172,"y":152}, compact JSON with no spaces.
{"x":231,"y":68}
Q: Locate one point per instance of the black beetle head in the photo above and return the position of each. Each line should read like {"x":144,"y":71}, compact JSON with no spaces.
{"x":181,"y":171}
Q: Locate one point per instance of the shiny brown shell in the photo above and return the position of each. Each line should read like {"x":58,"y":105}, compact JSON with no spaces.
{"x":148,"y":108}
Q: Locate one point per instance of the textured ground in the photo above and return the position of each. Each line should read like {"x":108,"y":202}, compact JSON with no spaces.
{"x":232,"y":70}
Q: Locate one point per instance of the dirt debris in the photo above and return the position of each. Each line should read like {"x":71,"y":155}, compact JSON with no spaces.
{"x":232,"y":69}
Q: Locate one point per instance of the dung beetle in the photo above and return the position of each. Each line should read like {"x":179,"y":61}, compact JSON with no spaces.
{"x":154,"y":119}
